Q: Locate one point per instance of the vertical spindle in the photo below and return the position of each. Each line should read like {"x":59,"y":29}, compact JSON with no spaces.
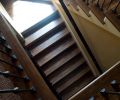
{"x":115,"y":9}
{"x":115,"y":85}
{"x":102,"y":6}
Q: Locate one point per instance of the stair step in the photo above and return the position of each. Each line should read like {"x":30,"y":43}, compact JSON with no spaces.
{"x":45,"y":37}
{"x":77,"y":86}
{"x":40,"y":24}
{"x":43,"y":31}
{"x":67,"y":71}
{"x":62,"y":61}
{"x":73,"y":79}
{"x":59,"y":57}
{"x":55,"y":52}
{"x":49,"y":42}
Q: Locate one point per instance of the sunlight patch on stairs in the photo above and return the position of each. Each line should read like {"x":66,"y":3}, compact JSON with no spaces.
{"x":26,"y":13}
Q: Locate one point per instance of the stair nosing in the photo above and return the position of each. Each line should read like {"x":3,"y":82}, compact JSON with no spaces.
{"x":82,"y":62}
{"x":53,"y":42}
{"x":85,"y":71}
{"x":47,"y":74}
{"x":31,"y":41}
{"x":72,"y":42}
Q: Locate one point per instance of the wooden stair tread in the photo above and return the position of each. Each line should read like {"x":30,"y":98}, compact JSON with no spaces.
{"x":55,"y":52}
{"x":67,"y":71}
{"x":46,"y":29}
{"x":62,"y":61}
{"x":49,"y":42}
{"x":78,"y":86}
{"x":73,"y":79}
{"x":46,"y":36}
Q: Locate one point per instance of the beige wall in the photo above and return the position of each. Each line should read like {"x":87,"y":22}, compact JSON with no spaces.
{"x":104,"y":45}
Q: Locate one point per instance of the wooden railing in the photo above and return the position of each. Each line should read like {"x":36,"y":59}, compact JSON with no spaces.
{"x":13,"y":77}
{"x":20,"y":61}
{"x":105,"y":87}
{"x":100,"y":8}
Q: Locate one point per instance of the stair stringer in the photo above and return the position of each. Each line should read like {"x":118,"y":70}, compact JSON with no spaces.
{"x":76,"y":38}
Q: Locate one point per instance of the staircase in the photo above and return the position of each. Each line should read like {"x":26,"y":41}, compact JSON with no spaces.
{"x":56,"y":54}
{"x":62,"y":63}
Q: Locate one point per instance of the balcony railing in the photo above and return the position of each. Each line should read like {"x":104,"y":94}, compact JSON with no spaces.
{"x":100,"y":8}
{"x":13,"y":70}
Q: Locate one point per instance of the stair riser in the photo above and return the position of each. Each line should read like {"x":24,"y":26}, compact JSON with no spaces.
{"x":40,"y":24}
{"x":47,"y":35}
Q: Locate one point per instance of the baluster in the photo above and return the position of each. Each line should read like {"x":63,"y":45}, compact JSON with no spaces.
{"x":102,"y":5}
{"x":19,"y":68}
{"x":118,"y":16}
{"x":98,"y":3}
{"x":87,"y":2}
{"x":13,"y":58}
{"x":115,"y":85}
{"x":92,"y":1}
{"x":68,"y":2}
{"x":115,"y":9}
{"x":111,"y":1}
{"x":8,"y":74}
{"x":8,"y":48}
{"x":92,"y":98}
{"x":2,"y":39}
{"x":105,"y":93}
{"x":4,"y":52}
{"x":18,"y":90}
